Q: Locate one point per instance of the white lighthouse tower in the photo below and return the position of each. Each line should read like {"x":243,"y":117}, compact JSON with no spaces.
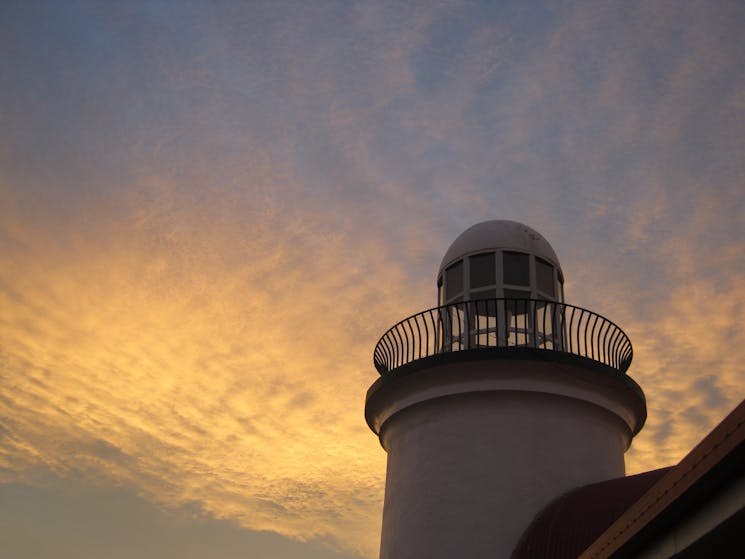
{"x":497,"y":401}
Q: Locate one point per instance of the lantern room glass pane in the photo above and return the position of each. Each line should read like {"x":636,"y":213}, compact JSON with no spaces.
{"x":482,"y":315}
{"x":544,"y":277}
{"x":518,"y":311}
{"x":483,"y":270}
{"x":516,"y":268}
{"x":484,"y":294}
{"x":516,"y":294}
{"x":454,"y":280}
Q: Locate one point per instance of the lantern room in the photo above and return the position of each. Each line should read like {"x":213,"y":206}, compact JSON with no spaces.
{"x":500,"y":259}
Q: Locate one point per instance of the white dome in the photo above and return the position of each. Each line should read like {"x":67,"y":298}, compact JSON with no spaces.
{"x":499,"y":234}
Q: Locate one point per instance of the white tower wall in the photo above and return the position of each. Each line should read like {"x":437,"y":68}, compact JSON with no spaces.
{"x":476,"y":449}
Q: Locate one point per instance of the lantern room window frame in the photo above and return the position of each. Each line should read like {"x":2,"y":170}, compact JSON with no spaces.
{"x":498,"y":289}
{"x":517,"y":317}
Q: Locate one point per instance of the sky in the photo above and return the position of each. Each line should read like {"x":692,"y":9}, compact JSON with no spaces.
{"x":210,"y":211}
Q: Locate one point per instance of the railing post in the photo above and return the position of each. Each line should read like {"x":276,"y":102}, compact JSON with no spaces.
{"x":467,"y":324}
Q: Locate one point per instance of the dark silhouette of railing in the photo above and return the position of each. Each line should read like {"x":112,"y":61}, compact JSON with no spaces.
{"x":504,"y":323}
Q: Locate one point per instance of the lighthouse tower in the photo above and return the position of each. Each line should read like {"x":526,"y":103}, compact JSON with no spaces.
{"x":497,"y":401}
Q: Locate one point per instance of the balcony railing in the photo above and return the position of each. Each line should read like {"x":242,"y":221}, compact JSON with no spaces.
{"x":504,"y":324}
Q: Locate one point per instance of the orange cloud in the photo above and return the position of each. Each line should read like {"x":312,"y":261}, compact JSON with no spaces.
{"x":198,"y":366}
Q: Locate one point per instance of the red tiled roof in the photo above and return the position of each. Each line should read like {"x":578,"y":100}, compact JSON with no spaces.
{"x":717,"y":460}
{"x":573,"y":521}
{"x":617,"y":517}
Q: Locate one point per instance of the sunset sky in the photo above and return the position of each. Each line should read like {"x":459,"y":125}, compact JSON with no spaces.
{"x":210,"y":211}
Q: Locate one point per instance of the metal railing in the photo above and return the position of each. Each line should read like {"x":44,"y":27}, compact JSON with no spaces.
{"x":503,"y":323}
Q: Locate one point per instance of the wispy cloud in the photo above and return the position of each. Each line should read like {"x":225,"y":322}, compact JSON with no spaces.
{"x":209,"y":216}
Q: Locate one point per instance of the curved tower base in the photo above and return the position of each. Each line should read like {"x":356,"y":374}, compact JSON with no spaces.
{"x":476,"y":449}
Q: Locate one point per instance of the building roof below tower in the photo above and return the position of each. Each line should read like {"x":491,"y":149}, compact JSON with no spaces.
{"x":694,"y":509}
{"x":565,"y":528}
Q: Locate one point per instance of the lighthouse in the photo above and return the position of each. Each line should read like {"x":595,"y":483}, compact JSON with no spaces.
{"x":497,"y":400}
